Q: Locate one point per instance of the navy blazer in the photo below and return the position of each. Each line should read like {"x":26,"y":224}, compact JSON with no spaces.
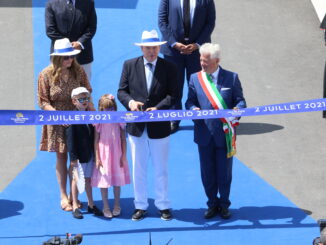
{"x":80,"y":142}
{"x":229,"y":86}
{"x":162,"y":93}
{"x":76,"y":24}
{"x":170,"y":22}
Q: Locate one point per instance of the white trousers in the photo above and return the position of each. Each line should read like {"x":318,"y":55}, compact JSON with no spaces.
{"x":88,"y":70}
{"x":141,"y":149}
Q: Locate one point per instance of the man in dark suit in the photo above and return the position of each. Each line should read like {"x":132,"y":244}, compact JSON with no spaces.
{"x":215,"y":88}
{"x":185,"y":24}
{"x":75,"y":20}
{"x":148,"y":83}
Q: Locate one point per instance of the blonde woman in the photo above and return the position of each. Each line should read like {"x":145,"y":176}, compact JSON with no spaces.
{"x":55,"y":84}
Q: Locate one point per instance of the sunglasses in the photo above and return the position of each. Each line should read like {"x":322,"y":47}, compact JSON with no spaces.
{"x":82,"y":100}
{"x":68,"y":57}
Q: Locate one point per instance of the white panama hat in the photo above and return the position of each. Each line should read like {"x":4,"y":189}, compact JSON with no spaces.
{"x":150,"y":38}
{"x":62,"y":47}
{"x":79,"y":90}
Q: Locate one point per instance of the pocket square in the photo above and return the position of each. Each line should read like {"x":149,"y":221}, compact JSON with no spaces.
{"x":223,"y":89}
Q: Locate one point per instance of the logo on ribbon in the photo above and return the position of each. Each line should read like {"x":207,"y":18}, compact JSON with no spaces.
{"x":129,"y":116}
{"x":19,"y":119}
{"x":236,"y":113}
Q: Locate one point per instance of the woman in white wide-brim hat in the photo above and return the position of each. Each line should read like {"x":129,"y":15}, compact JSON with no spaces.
{"x":55,"y":84}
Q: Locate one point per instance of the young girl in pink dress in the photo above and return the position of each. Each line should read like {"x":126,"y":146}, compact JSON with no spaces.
{"x":111,"y":163}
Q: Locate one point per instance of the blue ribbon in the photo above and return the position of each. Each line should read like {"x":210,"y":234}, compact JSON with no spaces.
{"x":63,"y":50}
{"x":145,"y":40}
{"x":32,"y":117}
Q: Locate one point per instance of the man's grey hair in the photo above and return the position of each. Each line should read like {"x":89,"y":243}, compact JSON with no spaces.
{"x":212,"y":49}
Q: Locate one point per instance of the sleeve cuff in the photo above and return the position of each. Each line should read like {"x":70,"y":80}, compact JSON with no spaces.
{"x":81,"y":44}
{"x":129,"y":103}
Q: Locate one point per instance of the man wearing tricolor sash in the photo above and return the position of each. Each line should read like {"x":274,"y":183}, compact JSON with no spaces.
{"x":215,"y":88}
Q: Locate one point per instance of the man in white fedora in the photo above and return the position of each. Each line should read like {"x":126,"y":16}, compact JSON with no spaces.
{"x":149,"y":83}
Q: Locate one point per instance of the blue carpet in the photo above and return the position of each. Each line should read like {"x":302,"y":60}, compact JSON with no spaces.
{"x":29,"y":207}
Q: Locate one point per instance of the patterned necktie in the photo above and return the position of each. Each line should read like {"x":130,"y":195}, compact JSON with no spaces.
{"x":186,"y":17}
{"x":149,"y":75}
{"x":212,"y":77}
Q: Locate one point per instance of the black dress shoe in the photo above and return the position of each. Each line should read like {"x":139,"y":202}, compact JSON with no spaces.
{"x":211,"y":212}
{"x":94,"y":210}
{"x":77,"y":214}
{"x":225,"y":213}
{"x":174,"y":127}
{"x":166,"y":214}
{"x":138,"y":215}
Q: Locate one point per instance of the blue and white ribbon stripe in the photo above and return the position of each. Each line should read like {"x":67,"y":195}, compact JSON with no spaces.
{"x":38,"y":117}
{"x":63,"y":50}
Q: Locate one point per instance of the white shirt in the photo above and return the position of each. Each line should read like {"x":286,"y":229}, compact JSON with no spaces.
{"x":148,"y":83}
{"x":147,"y":71}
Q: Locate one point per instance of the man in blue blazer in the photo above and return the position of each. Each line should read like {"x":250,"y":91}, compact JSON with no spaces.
{"x":185,"y":24}
{"x":215,"y":165}
{"x":75,"y":20}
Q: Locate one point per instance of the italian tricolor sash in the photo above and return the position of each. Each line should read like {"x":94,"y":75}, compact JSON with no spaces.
{"x":218,"y":103}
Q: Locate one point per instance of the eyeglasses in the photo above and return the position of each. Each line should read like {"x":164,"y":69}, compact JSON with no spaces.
{"x":68,"y":57}
{"x":82,"y":100}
